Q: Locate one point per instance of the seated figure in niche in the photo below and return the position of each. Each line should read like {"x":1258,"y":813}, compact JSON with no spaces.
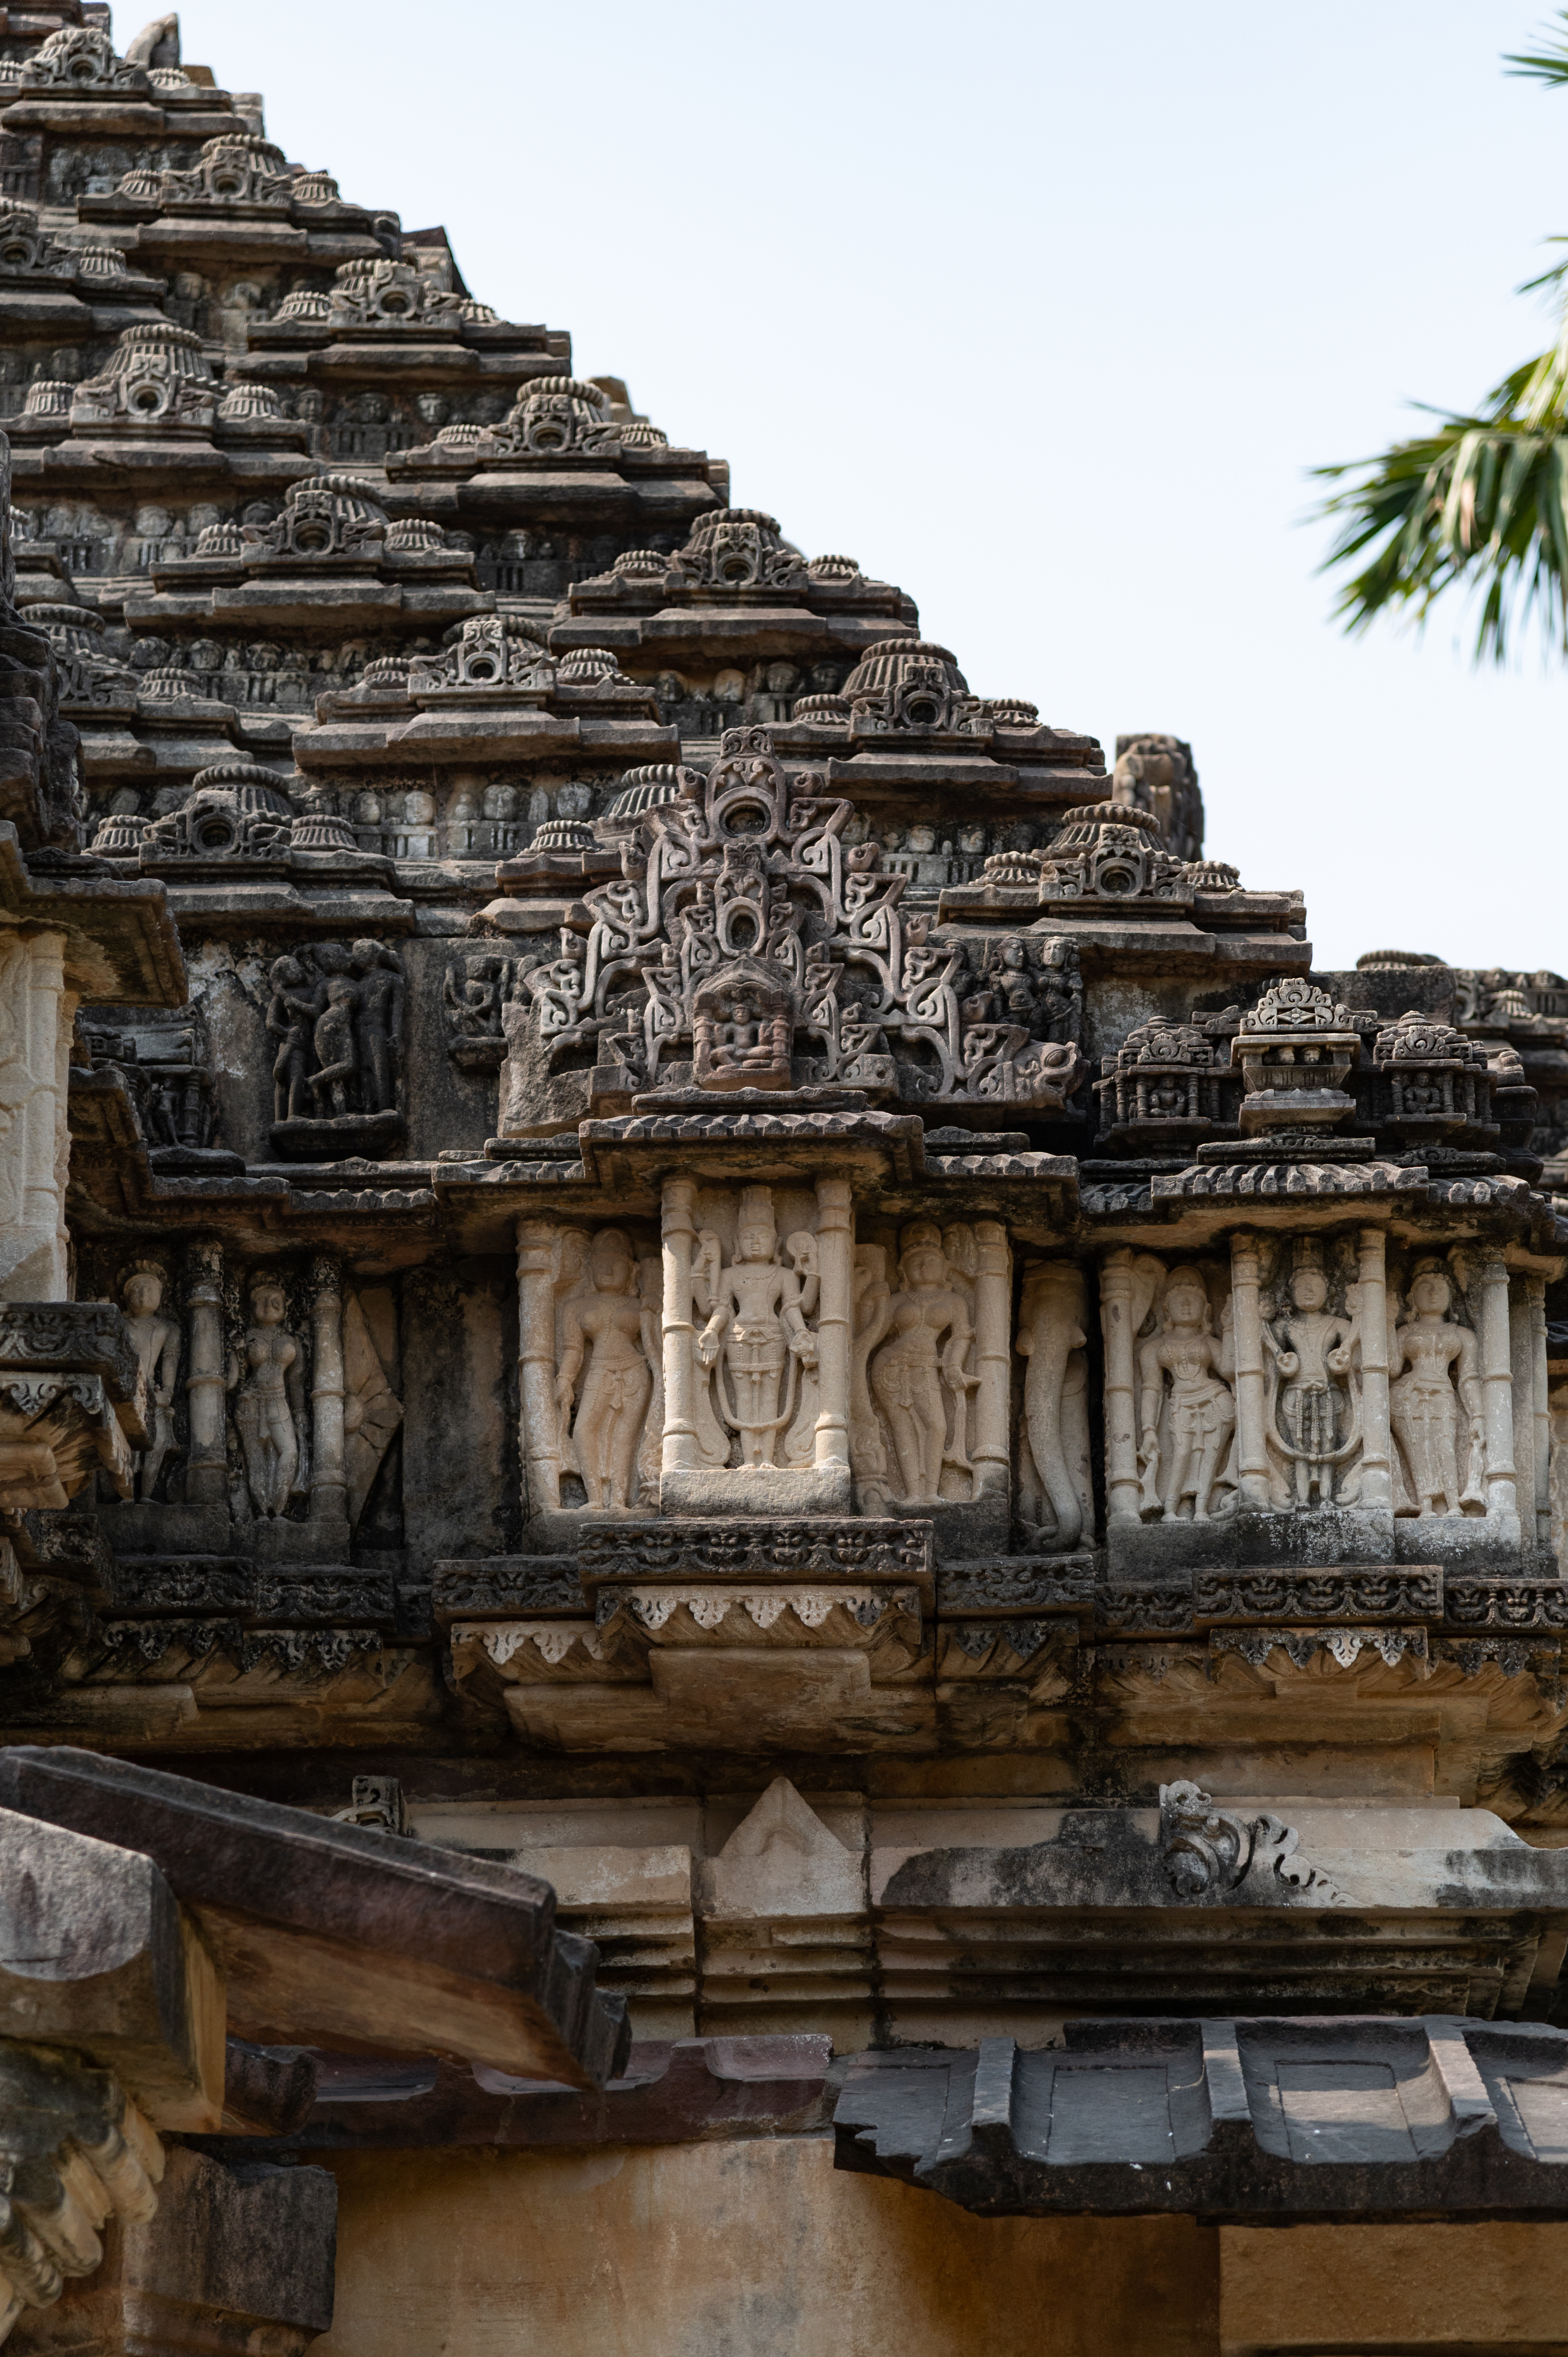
{"x":742,"y":1037}
{"x":914,"y":1371}
{"x":155,"y":1341}
{"x":268,"y":1374}
{"x":612,"y":1326}
{"x":1436,"y":1354}
{"x":756,"y":1327}
{"x":1187,"y":1408}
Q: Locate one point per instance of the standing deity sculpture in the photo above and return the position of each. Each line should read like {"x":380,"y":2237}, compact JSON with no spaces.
{"x":608,"y":1323}
{"x":1313,"y":1421}
{"x":756,"y":1340}
{"x":155,"y":1341}
{"x":920,"y":1376}
{"x":1187,"y":1406}
{"x":268,"y":1376}
{"x":1442,"y":1462}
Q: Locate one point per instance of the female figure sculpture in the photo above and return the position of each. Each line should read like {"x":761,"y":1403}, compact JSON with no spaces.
{"x":613,"y":1323}
{"x":1186,"y":1410}
{"x":269,"y":1413}
{"x":155,"y":1341}
{"x":914,"y":1367}
{"x":1436,"y":1350}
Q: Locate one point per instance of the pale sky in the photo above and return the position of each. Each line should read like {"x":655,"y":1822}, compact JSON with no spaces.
{"x":1044,"y":311}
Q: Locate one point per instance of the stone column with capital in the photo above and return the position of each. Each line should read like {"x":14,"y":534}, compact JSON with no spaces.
{"x":1497,"y":1389}
{"x":537,"y":1249}
{"x":680,"y":1453}
{"x":328,"y":1483}
{"x":1122,"y":1486}
{"x":37,"y":1011}
{"x":835,"y":1269}
{"x":993,"y":1359}
{"x":1372,"y":1339}
{"x":207,"y":1465}
{"x":1251,"y":1443}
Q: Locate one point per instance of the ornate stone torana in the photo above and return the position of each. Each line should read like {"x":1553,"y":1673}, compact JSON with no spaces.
{"x":631,"y":1203}
{"x":750,"y":947}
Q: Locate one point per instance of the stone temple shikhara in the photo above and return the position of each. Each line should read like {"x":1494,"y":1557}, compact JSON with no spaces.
{"x":746,"y":1448}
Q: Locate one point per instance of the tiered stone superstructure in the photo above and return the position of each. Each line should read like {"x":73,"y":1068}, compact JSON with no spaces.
{"x":708,"y":1262}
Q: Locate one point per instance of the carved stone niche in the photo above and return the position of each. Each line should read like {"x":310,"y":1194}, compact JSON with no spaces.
{"x":1168,"y":1087}
{"x":1324,"y":1407}
{"x":743,"y":1024}
{"x":335,"y":1014}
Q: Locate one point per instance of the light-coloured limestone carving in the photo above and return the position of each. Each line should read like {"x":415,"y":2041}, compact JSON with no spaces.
{"x":1186,"y":1408}
{"x":922,"y":1376}
{"x":156,"y":1342}
{"x":607,"y":1325}
{"x":1434,"y":1403}
{"x":756,"y":1352}
{"x":36,"y":1012}
{"x":1056,"y":1491}
{"x":267,"y":1375}
{"x":758,"y":1341}
{"x":1312,"y":1425}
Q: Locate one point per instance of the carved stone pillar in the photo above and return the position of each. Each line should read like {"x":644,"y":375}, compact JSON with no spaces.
{"x":207,"y":1467}
{"x":679,"y":1234}
{"x":540,"y":1435}
{"x":37,"y":1011}
{"x":1377,"y":1476}
{"x":993,"y":1359}
{"x":1497,"y":1389}
{"x":1121,"y":1488}
{"x":328,"y":1485}
{"x":1531,"y":1415}
{"x":835,"y":1265}
{"x":1251,"y":1448}
{"x":1540,"y":1387}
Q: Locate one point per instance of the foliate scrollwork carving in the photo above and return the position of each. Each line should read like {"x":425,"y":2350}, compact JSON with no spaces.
{"x":742,"y":910}
{"x":336,"y":1012}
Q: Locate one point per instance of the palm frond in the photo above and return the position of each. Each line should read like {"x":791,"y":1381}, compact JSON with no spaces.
{"x":1549,"y":64}
{"x":1479,"y":504}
